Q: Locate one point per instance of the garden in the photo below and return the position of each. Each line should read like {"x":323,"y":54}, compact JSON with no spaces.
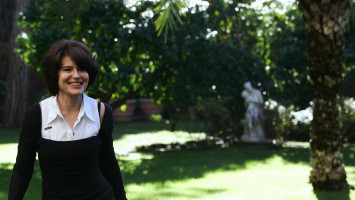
{"x":189,"y":61}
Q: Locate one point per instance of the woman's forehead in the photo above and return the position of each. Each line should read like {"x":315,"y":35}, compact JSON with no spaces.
{"x":67,"y":61}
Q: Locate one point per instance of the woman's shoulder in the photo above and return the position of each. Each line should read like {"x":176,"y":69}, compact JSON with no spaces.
{"x":108,"y":110}
{"x":33,"y":108}
{"x":93,"y":102}
{"x":89,"y":99}
{"x":32,"y":115}
{"x":48,"y":99}
{"x":107,"y":118}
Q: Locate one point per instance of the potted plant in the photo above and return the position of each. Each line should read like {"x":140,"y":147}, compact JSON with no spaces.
{"x":149,"y":108}
{"x":125,"y":112}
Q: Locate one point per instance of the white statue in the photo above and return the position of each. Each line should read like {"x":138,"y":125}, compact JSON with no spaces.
{"x":253,"y":121}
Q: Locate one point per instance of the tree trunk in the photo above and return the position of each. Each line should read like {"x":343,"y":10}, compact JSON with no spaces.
{"x":6,"y":19}
{"x":7,"y":9}
{"x":174,"y":118}
{"x":17,"y":75}
{"x":325,"y":26}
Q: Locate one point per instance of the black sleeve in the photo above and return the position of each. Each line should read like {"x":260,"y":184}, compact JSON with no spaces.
{"x":26,"y":153}
{"x":108,"y":162}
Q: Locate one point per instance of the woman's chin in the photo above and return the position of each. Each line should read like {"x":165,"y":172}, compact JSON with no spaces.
{"x":73,"y":92}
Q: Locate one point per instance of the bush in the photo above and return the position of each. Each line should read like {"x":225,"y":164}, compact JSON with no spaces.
{"x":218,"y":119}
{"x":347,"y":119}
{"x":281,"y":124}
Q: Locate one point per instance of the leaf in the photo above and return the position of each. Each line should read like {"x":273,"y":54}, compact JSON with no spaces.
{"x":168,"y":11}
{"x":69,"y":11}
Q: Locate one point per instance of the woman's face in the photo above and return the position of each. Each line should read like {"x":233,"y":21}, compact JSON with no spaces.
{"x":72,"y":80}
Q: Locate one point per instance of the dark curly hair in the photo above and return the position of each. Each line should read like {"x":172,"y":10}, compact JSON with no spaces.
{"x":78,"y":52}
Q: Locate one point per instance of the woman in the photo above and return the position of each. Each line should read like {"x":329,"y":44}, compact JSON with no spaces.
{"x":71,"y":132}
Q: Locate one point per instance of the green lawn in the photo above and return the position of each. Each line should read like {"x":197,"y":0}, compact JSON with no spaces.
{"x":239,"y":172}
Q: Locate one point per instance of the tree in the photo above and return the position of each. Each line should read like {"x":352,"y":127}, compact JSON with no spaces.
{"x":177,"y":72}
{"x":17,"y":72}
{"x":6,"y":22}
{"x":135,"y":62}
{"x":325,"y":27}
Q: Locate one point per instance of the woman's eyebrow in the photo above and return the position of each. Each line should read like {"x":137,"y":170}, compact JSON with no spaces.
{"x":67,"y":66}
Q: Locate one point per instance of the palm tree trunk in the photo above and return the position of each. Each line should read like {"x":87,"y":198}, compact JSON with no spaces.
{"x":325,"y":26}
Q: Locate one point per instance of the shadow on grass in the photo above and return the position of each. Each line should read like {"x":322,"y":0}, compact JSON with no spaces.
{"x":349,"y":156}
{"x":34,"y":190}
{"x":188,"y":193}
{"x":179,"y":165}
{"x":5,"y":174}
{"x":136,"y":127}
{"x":9,"y":135}
{"x":323,"y":195}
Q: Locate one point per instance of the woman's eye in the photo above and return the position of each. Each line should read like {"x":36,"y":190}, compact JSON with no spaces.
{"x":81,"y":69}
{"x":66,"y":69}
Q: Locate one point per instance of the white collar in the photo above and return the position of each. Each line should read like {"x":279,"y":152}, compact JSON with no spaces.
{"x":85,"y":108}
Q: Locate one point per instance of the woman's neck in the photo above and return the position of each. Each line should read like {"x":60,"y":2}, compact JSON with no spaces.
{"x":69,"y":104}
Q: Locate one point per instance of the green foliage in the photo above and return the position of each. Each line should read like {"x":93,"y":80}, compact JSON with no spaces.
{"x":347,"y":119}
{"x":209,"y":56}
{"x":289,"y":67}
{"x":123,"y":63}
{"x":217,"y":117}
{"x":350,"y":39}
{"x":349,"y":52}
{"x":164,"y":21}
{"x":280,"y":124}
{"x":157,"y":118}
{"x":64,"y":11}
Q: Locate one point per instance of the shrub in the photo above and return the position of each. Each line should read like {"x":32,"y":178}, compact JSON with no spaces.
{"x":217,"y":117}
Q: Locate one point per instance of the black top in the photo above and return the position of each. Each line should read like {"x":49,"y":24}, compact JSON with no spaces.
{"x":79,"y":169}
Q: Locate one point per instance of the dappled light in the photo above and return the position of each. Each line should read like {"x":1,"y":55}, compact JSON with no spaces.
{"x":129,"y":143}
{"x":207,"y":173}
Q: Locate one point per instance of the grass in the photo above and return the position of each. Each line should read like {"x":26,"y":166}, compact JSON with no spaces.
{"x":239,"y":172}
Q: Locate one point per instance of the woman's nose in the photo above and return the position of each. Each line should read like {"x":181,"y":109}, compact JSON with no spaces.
{"x":76,"y":73}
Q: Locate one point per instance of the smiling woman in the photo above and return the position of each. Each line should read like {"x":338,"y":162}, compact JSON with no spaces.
{"x":71,"y":132}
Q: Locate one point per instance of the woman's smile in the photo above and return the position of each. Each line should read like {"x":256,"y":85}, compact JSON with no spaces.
{"x":76,"y":83}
